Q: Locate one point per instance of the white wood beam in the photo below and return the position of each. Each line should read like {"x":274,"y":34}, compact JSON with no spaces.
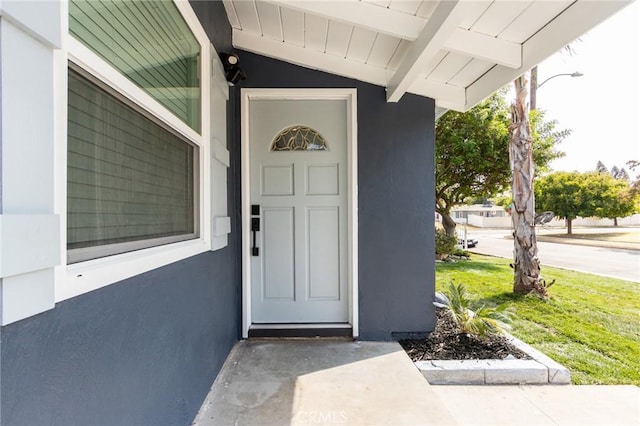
{"x":231,"y":13}
{"x":574,"y":21}
{"x":442,"y":92}
{"x":362,"y":14}
{"x":482,"y":46}
{"x":447,"y":106}
{"x":309,"y":58}
{"x":442,"y":24}
{"x":440,"y":110}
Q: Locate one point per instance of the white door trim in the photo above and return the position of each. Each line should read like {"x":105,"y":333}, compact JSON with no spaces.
{"x":350,"y":95}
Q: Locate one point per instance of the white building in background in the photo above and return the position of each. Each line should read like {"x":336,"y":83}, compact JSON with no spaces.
{"x":485,"y":216}
{"x":482,"y":210}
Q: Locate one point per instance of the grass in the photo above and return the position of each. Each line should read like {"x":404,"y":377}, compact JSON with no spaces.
{"x":591,"y":324}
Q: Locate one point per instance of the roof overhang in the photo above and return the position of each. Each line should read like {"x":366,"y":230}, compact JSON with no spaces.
{"x":457,"y":52}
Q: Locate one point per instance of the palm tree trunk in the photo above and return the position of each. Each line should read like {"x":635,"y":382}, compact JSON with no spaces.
{"x":525,"y":249}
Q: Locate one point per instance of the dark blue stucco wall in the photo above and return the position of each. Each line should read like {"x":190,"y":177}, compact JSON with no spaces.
{"x":145,"y":350}
{"x":395,"y":201}
{"x":142,"y":351}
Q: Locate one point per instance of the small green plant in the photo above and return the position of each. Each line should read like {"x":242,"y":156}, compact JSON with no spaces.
{"x":460,"y":253}
{"x":482,"y":321}
{"x":445,"y":244}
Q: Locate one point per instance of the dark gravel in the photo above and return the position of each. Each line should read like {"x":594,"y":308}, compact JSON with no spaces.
{"x":447,"y":342}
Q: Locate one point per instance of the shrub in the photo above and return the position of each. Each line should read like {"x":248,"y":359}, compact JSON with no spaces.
{"x":480,"y":322}
{"x":444,"y":244}
{"x":461,"y":253}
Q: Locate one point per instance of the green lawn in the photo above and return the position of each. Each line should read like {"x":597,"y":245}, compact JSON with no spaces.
{"x":591,"y":324}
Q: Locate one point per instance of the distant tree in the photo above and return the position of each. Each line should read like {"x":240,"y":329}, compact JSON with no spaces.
{"x":573,"y":194}
{"x":484,"y":200}
{"x":622,"y":175}
{"x":634,"y":165}
{"x":503,"y":200}
{"x":615,"y":171}
{"x":609,"y":196}
{"x":616,"y":200}
{"x":563,"y":193}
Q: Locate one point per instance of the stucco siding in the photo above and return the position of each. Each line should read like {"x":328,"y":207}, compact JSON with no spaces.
{"x":395,"y":201}
{"x":143,"y":351}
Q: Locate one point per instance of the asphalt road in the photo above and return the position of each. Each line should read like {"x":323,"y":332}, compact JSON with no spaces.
{"x":616,"y":263}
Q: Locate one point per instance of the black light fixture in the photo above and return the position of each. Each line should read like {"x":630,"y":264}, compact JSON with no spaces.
{"x":232,"y":70}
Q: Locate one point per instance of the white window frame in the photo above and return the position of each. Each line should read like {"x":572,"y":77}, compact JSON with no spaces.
{"x":82,"y":277}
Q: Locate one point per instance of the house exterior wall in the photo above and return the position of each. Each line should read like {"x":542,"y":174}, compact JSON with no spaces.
{"x":141,"y":351}
{"x":395,"y":197}
{"x":145,"y":350}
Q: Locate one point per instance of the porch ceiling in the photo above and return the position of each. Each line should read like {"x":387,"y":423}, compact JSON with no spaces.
{"x":456,"y":52}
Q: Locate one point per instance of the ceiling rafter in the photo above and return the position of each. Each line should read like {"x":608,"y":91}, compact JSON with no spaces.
{"x":449,"y":30}
{"x":231,"y":13}
{"x":482,"y":46}
{"x":452,"y":95}
{"x":362,"y":14}
{"x":562,"y":30}
{"x":445,"y":93}
{"x":443,"y":22}
{"x":310,"y":59}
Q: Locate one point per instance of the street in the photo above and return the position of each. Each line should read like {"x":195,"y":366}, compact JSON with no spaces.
{"x":616,"y":263}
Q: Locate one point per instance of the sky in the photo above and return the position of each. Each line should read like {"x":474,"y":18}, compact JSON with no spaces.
{"x":602,"y":108}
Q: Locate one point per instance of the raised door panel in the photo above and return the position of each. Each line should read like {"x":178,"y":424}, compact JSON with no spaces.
{"x":277,"y":179}
{"x":278,"y":254}
{"x":323,"y":246}
{"x":322,"y":179}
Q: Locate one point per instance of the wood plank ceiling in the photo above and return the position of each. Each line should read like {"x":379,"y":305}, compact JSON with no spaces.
{"x":456,"y":52}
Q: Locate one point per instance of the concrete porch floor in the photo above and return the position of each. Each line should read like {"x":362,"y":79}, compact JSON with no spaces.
{"x":310,"y":382}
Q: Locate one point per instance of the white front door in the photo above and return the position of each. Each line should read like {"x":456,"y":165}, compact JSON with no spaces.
{"x":298,"y":197}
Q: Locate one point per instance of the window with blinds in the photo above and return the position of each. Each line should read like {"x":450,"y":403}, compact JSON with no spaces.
{"x":131,"y":183}
{"x":150,"y":43}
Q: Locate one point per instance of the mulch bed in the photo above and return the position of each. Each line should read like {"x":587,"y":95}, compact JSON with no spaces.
{"x":447,"y":342}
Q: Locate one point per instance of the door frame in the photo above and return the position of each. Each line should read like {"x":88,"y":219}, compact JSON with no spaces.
{"x":350,"y":96}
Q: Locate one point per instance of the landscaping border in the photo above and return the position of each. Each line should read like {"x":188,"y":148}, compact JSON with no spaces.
{"x":540,"y":369}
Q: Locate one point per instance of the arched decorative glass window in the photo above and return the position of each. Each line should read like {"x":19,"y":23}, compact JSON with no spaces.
{"x":298,"y":138}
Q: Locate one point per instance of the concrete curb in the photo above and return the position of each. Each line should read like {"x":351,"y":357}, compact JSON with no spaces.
{"x":539,"y":370}
{"x":559,"y":239}
{"x":587,"y":242}
{"x":558,"y":374}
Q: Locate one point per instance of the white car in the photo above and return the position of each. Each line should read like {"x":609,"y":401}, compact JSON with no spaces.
{"x":471,"y":242}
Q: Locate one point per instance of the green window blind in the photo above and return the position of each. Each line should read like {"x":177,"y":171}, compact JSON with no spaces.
{"x":150,"y":43}
{"x":130,"y":182}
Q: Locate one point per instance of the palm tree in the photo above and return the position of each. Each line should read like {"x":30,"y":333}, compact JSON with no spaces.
{"x":526,"y":264}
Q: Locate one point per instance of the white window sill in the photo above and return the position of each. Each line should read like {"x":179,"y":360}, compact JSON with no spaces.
{"x":80,"y":278}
